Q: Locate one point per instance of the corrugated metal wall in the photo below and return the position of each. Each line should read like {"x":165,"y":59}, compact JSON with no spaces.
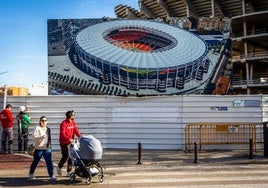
{"x":219,"y":108}
{"x":123,"y":122}
{"x":265,"y":108}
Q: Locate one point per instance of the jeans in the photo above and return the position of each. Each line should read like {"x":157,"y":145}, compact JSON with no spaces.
{"x":48,"y":158}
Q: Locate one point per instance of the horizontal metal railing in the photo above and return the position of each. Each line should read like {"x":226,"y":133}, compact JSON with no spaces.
{"x":250,"y":56}
{"x":250,"y":33}
{"x":255,"y":82}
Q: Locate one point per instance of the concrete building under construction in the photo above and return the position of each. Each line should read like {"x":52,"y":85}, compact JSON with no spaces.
{"x":249,"y":26}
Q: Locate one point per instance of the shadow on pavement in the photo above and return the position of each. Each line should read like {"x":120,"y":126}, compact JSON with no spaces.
{"x":39,"y":181}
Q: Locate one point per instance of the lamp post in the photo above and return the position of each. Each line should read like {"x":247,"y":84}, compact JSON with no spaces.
{"x":5,"y":96}
{"x":5,"y":92}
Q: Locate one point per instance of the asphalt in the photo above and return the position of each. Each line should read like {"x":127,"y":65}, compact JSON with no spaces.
{"x":14,"y":167}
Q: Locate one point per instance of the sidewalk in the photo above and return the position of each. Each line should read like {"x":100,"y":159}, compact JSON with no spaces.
{"x":14,"y":168}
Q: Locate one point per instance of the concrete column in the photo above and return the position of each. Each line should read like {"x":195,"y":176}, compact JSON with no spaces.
{"x":212,"y":8}
{"x":187,"y":11}
{"x":243,"y":7}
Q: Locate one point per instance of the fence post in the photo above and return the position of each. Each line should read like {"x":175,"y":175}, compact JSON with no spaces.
{"x":139,"y":153}
{"x":250,"y":148}
{"x":195,"y":153}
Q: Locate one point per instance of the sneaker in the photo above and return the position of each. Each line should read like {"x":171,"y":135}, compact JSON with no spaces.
{"x":10,"y":151}
{"x":53,"y":178}
{"x":31,"y":176}
{"x":59,"y":171}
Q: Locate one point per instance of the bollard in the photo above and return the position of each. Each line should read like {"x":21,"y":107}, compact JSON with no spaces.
{"x":195,"y":153}
{"x":139,"y":153}
{"x":250,"y":148}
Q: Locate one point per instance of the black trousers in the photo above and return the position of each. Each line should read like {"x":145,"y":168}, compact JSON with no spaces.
{"x":23,"y":138}
{"x":65,"y":157}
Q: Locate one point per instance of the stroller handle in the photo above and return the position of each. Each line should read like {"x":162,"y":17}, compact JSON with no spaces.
{"x":75,"y":144}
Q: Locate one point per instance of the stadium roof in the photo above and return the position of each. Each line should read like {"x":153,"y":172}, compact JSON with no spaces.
{"x":92,"y":41}
{"x":186,"y":8}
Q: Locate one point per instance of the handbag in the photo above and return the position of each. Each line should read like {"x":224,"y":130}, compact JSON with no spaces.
{"x":31,"y":149}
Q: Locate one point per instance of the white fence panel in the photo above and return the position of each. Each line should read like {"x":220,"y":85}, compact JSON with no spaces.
{"x":265,"y":108}
{"x":156,"y":122}
{"x":218,"y":108}
{"x":119,"y":122}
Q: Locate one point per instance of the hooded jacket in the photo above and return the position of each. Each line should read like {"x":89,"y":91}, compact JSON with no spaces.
{"x":6,"y":118}
{"x":68,"y":129}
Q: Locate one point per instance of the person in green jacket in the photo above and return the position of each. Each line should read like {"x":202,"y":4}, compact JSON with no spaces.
{"x":24,"y":122}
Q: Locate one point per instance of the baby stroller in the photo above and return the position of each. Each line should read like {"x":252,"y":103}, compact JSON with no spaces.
{"x":86,"y":154}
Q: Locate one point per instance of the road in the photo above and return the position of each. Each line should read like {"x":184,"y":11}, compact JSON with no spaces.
{"x":201,"y":176}
{"x":158,"y":169}
{"x":190,"y":176}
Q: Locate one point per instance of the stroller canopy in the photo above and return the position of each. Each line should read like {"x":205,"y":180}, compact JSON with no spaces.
{"x":90,"y":148}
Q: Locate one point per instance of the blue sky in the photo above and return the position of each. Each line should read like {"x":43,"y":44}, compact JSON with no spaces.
{"x":23,"y":33}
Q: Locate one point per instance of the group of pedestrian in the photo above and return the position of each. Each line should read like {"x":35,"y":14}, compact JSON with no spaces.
{"x":41,"y":139}
{"x":24,"y":121}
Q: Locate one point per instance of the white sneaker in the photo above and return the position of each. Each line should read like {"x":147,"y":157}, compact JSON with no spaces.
{"x":31,"y":176}
{"x":59,"y":171}
{"x":68,"y":174}
{"x":53,"y":178}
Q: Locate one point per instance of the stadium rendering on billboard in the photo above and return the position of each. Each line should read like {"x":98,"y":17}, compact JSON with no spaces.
{"x":134,"y":57}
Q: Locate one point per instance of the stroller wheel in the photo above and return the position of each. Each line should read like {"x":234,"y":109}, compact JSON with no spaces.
{"x":100,"y":178}
{"x":72,"y":176}
{"x":88,"y":180}
{"x":100,"y":175}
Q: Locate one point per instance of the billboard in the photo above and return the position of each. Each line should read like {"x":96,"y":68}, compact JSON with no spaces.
{"x":138,"y":57}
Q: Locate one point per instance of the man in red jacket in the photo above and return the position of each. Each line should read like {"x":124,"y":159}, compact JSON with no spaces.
{"x":68,"y":129}
{"x":6,"y":118}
